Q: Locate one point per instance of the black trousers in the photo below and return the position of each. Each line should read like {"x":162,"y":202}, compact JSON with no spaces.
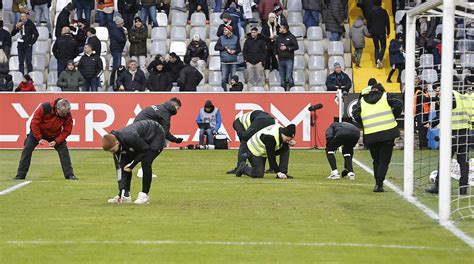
{"x":380,"y":44}
{"x":255,"y":126}
{"x":164,"y":7}
{"x":128,"y":19}
{"x":460,"y":148}
{"x":381,"y":153}
{"x":400,"y":68}
{"x":30,"y":145}
{"x":124,"y":178}
{"x":257,"y":168}
{"x":193,"y":8}
{"x":421,"y":121}
{"x":348,"y":143}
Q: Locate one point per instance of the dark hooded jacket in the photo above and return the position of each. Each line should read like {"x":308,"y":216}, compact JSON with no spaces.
{"x":189,"y":79}
{"x":63,"y":19}
{"x":340,"y":132}
{"x":159,"y":81}
{"x":162,"y":114}
{"x":174,"y":68}
{"x":201,"y":51}
{"x":255,"y":50}
{"x":379,"y":22}
{"x":291,"y":44}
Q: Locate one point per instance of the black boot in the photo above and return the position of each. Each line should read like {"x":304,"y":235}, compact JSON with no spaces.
{"x":378,"y":188}
{"x":18,"y":177}
{"x":233,"y":171}
{"x":240,"y":170}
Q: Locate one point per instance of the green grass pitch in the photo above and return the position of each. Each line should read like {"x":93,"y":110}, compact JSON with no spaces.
{"x":198,"y":214}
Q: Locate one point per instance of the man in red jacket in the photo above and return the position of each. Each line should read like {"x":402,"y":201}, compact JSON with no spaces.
{"x":51,"y":124}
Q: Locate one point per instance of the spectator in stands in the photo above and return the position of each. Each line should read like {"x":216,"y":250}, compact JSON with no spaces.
{"x":174,"y":66}
{"x":93,"y":40}
{"x":199,"y":6}
{"x":235,"y":85}
{"x":426,"y":30}
{"x":422,"y":113}
{"x":85,"y":7}
{"x":255,"y":53}
{"x":164,"y":5}
{"x":6,"y":83}
{"x":228,"y":21}
{"x":437,"y":45}
{"x":105,"y":12}
{"x":26,"y":85}
{"x":118,"y":39}
{"x":41,"y":8}
{"x":470,"y":35}
{"x":358,"y":33}
{"x":78,"y":31}
{"x":286,"y":45}
{"x":229,"y":47}
{"x":71,"y":79}
{"x":212,"y":115}
{"x":338,"y":80}
{"x":115,"y":75}
{"x":148,"y":11}
{"x":237,"y":19}
{"x":4,"y":64}
{"x":159,"y":80}
{"x":336,"y":13}
{"x":198,"y":53}
{"x":152,"y":65}
{"x":401,"y":6}
{"x":397,"y":59}
{"x":5,"y":40}
{"x":128,"y":9}
{"x":26,"y":40}
{"x":270,"y":31}
{"x":137,"y":36}
{"x":280,"y":18}
{"x":63,"y":19}
{"x":19,"y":6}
{"x":90,"y":66}
{"x":366,"y":6}
{"x":265,"y":7}
{"x":133,"y":79}
{"x":217,"y":6}
{"x":312,"y":11}
{"x":65,"y":48}
{"x":379,"y":30}
{"x":189,"y":78}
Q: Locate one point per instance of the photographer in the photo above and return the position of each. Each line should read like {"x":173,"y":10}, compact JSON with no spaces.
{"x":212,"y":115}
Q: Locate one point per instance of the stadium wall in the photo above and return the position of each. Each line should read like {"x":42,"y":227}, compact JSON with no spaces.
{"x":98,"y":113}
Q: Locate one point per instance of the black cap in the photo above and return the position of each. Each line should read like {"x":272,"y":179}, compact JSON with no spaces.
{"x":235,"y":78}
{"x":372,"y":81}
{"x":289,"y":131}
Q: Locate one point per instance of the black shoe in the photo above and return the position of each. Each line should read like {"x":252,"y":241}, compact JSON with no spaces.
{"x":270,"y":171}
{"x":18,"y":177}
{"x":463,"y":190}
{"x":378,"y":188}
{"x":289,"y":176}
{"x":389,"y":81}
{"x":233,"y":171}
{"x":240,"y":169}
{"x":72,"y":178}
{"x":344,"y":173}
{"x":433,"y":189}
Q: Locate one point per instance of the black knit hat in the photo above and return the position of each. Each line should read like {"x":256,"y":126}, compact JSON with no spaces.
{"x":372,"y":81}
{"x":235,"y":78}
{"x":289,"y":131}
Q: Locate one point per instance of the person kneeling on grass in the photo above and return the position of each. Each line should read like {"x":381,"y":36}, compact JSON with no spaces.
{"x":270,"y":142}
{"x":139,"y":142}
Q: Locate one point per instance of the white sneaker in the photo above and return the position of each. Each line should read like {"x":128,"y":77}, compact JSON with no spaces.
{"x":142,"y":198}
{"x":140,"y":174}
{"x":116,"y":200}
{"x":334,"y":176}
{"x":351,"y":176}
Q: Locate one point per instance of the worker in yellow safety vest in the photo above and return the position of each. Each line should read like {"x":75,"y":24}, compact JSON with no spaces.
{"x":269,"y":142}
{"x":377,"y":111}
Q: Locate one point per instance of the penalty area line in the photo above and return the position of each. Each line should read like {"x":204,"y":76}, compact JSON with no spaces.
{"x":14,"y":187}
{"x":430,"y":213}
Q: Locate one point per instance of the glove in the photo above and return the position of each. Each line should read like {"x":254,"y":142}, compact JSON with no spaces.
{"x":178,"y":140}
{"x":281,"y":175}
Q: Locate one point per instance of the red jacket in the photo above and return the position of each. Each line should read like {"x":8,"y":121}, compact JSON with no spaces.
{"x":266,"y":7}
{"x":46,"y":125}
{"x":26,"y":87}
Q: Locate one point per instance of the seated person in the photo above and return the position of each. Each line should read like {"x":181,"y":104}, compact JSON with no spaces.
{"x":338,"y":80}
{"x":209,"y":114}
{"x":235,"y":85}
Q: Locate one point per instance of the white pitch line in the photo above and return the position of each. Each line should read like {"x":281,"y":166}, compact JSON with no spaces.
{"x":224,"y":243}
{"x":14,"y":187}
{"x":450,"y":227}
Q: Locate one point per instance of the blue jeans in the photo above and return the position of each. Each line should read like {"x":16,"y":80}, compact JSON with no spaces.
{"x":311,"y":18}
{"x":42,"y":11}
{"x":227,"y":71}
{"x":16,"y":16}
{"x":90,"y":85}
{"x":149,"y":12}
{"x":116,"y":59}
{"x":25,"y":52}
{"x":285,"y":68}
{"x":86,"y":9}
{"x":334,"y":36}
{"x":208,"y":133}
{"x":217,"y":6}
{"x":105,"y":18}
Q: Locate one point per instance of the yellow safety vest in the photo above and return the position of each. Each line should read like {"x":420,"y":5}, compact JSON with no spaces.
{"x":255,"y":144}
{"x":366,"y":90}
{"x":377,"y":117}
{"x":461,"y":115}
{"x":245,"y":120}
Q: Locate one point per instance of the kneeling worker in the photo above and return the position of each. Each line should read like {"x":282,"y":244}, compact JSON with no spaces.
{"x":139,"y":142}
{"x":246,"y":126}
{"x":269,"y":142}
{"x":346,"y":135}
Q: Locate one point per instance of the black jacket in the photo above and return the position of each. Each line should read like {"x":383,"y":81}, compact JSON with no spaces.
{"x":338,"y":81}
{"x":139,"y":138}
{"x":90,"y":66}
{"x":95,"y":43}
{"x":237,"y":87}
{"x":255,"y":50}
{"x":379,"y":22}
{"x":62,"y":21}
{"x":189,"y":79}
{"x":159,"y":81}
{"x":174,"y":68}
{"x":65,"y":47}
{"x":41,"y":2}
{"x":340,"y":132}
{"x":31,"y":33}
{"x":152,"y":66}
{"x":270,"y":145}
{"x":239,"y":127}
{"x":199,"y":50}
{"x":162,"y":114}
{"x":5,"y":39}
{"x":291,"y":44}
{"x":372,"y":98}
{"x":117,"y":37}
{"x":127,"y":6}
{"x":137,"y":84}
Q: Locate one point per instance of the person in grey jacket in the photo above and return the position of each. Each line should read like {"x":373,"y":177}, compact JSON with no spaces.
{"x":358,"y":33}
{"x":312,"y":12}
{"x":70,"y":79}
{"x":336,"y":13}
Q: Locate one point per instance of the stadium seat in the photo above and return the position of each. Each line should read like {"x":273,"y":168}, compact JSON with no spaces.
{"x":314,"y":33}
{"x":334,"y":59}
{"x":102,"y":33}
{"x":294,"y":18}
{"x":215,"y":63}
{"x":213,"y":52}
{"x":198,"y":19}
{"x":298,"y":31}
{"x":159,"y":33}
{"x":52,"y":78}
{"x":335,"y":48}
{"x":8,"y":17}
{"x":54,"y":89}
{"x":274,"y":78}
{"x":103,"y":48}
{"x":122,"y":62}
{"x":315,"y":48}
{"x":316,"y":63}
{"x":317,"y":78}
{"x":299,"y":78}
{"x":201,"y":31}
{"x":158,"y":47}
{"x":178,"y":33}
{"x":39,"y":62}
{"x":429,"y":75}
{"x":399,"y":15}
{"x":297,"y":89}
{"x":213,"y":33}
{"x":104,"y":63}
{"x":256,"y":89}
{"x":175,"y":89}
{"x":179,"y":19}
{"x":14,"y":63}
{"x":318,"y":89}
{"x":178,"y":47}
{"x":215,"y":19}
{"x":41,"y":48}
{"x":14,"y":49}
{"x":17,"y":77}
{"x":201,"y":89}
{"x":60,"y":4}
{"x":241,"y":76}
{"x":162,"y":20}
{"x":215,"y":78}
{"x":301,"y":48}
{"x":467,"y":60}
{"x":178,"y":4}
{"x":402,"y":77}
{"x":37,"y":77}
{"x":53,"y":64}
{"x":277,"y":89}
{"x":426,"y":60}
{"x":299,"y":63}
{"x":294,"y":5}
{"x":43,"y":33}
{"x":216,"y":89}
